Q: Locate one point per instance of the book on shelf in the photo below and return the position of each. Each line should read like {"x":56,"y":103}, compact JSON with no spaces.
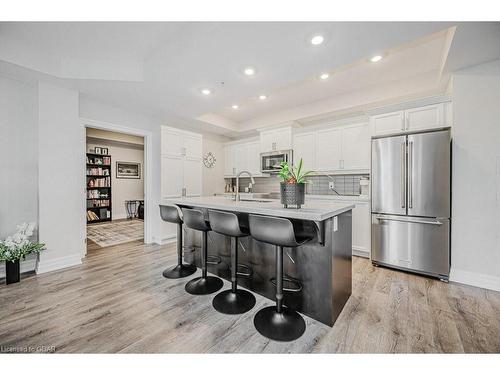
{"x":99,"y":182}
{"x":97,"y":194}
{"x":92,"y":216}
{"x":97,"y":203}
{"x":98,"y":171}
{"x":98,"y":160}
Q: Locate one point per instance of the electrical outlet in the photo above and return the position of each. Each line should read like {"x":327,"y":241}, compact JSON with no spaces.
{"x":331,"y":185}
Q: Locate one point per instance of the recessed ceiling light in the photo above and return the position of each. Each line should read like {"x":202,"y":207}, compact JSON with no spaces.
{"x":324,"y":76}
{"x":249,"y":71}
{"x":262,"y":97}
{"x":317,"y":40}
{"x":235,"y":106}
{"x":206,"y":91}
{"x":376,"y":58}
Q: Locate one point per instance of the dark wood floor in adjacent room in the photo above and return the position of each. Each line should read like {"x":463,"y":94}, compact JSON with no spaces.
{"x":118,"y":301}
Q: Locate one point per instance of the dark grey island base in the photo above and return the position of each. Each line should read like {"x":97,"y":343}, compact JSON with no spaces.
{"x":322,"y":266}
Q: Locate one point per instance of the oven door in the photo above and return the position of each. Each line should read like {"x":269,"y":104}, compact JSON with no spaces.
{"x":271,"y":162}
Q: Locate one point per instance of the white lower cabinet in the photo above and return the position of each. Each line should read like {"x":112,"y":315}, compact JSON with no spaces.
{"x":361,"y":229}
{"x":361,"y":224}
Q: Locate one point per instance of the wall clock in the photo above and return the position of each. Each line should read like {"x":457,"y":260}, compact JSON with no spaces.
{"x":209,"y":160}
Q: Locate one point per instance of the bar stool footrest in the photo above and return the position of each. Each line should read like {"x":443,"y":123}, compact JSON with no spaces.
{"x":214,"y":259}
{"x":246,"y":271}
{"x":293,"y":284}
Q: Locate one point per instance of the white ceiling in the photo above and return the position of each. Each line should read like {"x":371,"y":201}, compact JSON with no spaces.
{"x":158,"y":68}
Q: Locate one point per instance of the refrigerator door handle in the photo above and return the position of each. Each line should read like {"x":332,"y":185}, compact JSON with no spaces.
{"x":408,"y":220}
{"x":410,"y":174}
{"x":403,"y":168}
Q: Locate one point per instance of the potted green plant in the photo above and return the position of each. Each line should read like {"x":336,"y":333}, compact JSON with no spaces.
{"x":292,"y":186}
{"x":17,"y":247}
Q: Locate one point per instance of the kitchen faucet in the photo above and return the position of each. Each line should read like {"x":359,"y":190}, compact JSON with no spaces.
{"x":237,"y":197}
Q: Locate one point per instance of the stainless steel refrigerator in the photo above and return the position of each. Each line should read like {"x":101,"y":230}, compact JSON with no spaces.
{"x":411,"y":199}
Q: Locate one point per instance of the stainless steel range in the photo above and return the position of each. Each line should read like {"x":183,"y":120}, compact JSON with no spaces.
{"x":411,"y":199}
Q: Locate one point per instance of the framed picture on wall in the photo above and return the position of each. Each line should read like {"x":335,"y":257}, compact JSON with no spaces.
{"x":125,"y":169}
{"x":97,"y":150}
{"x":104,"y":151}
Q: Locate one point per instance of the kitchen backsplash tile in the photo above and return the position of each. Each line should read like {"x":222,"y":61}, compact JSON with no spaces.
{"x":317,"y":185}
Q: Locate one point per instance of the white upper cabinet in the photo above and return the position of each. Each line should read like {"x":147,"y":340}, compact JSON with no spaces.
{"x":180,"y":143}
{"x":328,"y":149}
{"x":414,"y":119}
{"x":344,"y":148}
{"x":276,"y":139}
{"x":192,"y":177}
{"x":171,"y":142}
{"x":428,"y":117}
{"x":253,"y":155}
{"x":356,"y":143}
{"x":243,"y":156}
{"x":180,"y":163}
{"x":192,"y":146}
{"x":387,"y":123}
{"x":304,"y":148}
{"x":171,"y":176}
{"x":228,"y":160}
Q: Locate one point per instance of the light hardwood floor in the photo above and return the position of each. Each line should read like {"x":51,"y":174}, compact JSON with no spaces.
{"x":118,"y":301}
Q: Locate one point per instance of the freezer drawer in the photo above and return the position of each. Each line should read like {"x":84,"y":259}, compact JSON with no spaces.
{"x":417,"y":244}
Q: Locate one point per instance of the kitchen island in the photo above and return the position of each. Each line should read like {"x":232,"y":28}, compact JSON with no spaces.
{"x":322,"y":266}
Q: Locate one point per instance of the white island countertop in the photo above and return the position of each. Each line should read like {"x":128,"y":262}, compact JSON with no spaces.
{"x":314,"y":211}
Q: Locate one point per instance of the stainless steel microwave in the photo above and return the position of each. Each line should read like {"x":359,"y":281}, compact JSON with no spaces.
{"x":270,"y":162}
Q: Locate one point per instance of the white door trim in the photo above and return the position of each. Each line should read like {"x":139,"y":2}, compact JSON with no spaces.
{"x":148,"y":167}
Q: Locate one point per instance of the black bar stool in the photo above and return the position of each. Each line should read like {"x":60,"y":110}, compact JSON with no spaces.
{"x":278,"y":322}
{"x":173,"y":214}
{"x":195,"y":219}
{"x":234,"y":300}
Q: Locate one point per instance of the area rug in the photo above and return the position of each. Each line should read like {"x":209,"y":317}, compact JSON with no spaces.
{"x":116,"y":232}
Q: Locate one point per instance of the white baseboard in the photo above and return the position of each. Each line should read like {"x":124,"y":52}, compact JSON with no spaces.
{"x":360,"y":252}
{"x":480,"y":280}
{"x":119,"y":217}
{"x":58,"y":263}
{"x":166,"y":240}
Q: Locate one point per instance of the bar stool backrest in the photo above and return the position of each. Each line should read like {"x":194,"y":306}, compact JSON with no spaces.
{"x":195,"y":219}
{"x":274,"y":230}
{"x":172,"y":214}
{"x":226,"y":223}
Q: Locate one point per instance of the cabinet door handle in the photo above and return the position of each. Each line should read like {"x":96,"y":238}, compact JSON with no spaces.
{"x":405,"y":122}
{"x":183,"y":192}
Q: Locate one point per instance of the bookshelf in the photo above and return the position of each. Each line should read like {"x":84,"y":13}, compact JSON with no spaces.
{"x":98,"y":188}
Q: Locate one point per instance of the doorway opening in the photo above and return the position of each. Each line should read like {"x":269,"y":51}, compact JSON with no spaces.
{"x":115,"y":188}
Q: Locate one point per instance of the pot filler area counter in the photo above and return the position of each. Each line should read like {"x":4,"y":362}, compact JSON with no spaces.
{"x":321,"y":267}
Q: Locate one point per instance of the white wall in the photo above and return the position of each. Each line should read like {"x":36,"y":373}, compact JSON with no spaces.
{"x":213,"y":178}
{"x":475,"y":255}
{"x":61,"y":178}
{"x":18,"y":159}
{"x":92,"y":109}
{"x":123,"y":189}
